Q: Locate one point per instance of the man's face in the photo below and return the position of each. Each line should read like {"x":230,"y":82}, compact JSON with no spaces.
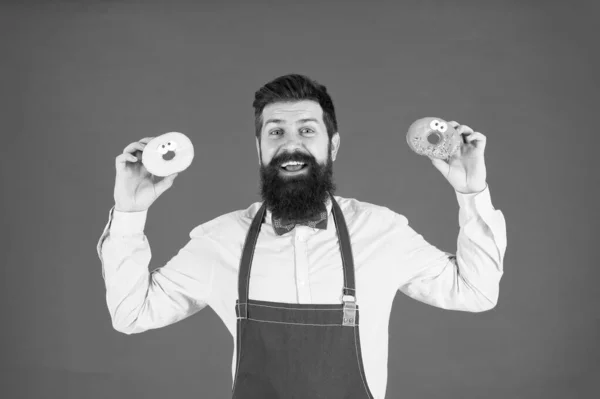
{"x":295,"y":131}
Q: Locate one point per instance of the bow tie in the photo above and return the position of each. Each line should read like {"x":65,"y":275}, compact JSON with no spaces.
{"x":283,"y":225}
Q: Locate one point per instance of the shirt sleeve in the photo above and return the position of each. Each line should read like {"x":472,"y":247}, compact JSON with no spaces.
{"x":468,"y":281}
{"x":139,"y":300}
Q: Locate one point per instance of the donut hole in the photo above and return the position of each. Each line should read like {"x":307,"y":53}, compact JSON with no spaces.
{"x":434,"y":138}
{"x":168,"y":155}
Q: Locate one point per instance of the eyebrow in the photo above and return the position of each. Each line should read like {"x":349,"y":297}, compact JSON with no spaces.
{"x":299,"y":121}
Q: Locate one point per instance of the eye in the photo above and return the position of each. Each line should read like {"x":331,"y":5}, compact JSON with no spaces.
{"x":443,"y":127}
{"x":162,"y":149}
{"x":434,"y":124}
{"x":279,"y":130}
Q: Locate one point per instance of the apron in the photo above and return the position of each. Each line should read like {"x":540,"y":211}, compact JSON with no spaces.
{"x":307,"y":351}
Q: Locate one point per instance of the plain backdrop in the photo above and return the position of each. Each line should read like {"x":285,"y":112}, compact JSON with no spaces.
{"x":82,"y":79}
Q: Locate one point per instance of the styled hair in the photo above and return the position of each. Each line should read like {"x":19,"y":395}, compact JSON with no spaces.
{"x":292,"y":88}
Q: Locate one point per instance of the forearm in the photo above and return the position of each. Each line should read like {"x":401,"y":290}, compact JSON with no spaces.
{"x":125,"y":255}
{"x":469,"y":280}
{"x":139,"y":300}
{"x":481,"y":245}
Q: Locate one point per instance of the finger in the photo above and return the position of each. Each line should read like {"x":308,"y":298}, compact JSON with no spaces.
{"x":476,"y":136}
{"x":122,"y":159}
{"x":464,"y":129}
{"x":133,"y":147}
{"x":165,"y":183}
{"x":144,"y":142}
{"x":454,"y":124}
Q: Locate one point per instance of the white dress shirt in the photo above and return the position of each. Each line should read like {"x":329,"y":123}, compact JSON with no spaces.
{"x":305,"y":266}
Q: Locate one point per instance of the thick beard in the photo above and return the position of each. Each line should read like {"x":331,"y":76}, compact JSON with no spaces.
{"x":299,"y":196}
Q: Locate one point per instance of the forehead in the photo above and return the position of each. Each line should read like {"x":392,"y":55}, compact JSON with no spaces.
{"x":292,"y":111}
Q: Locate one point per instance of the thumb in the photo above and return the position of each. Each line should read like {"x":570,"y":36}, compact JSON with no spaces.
{"x":165,"y":183}
{"x":440,"y":165}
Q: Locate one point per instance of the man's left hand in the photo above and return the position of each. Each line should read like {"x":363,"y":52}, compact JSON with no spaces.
{"x":465,"y":170}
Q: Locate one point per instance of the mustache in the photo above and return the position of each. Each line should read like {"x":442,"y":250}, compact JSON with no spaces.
{"x":291,"y":158}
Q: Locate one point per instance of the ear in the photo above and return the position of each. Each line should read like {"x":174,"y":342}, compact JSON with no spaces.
{"x":335,"y":145}
{"x":258,"y":151}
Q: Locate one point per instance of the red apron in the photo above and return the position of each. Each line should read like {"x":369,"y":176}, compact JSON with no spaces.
{"x":304,"y":351}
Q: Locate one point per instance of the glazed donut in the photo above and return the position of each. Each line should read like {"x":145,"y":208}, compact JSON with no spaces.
{"x":167,"y":154}
{"x":433,"y":137}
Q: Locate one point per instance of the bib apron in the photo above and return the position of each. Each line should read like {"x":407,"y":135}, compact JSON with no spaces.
{"x":298,"y":351}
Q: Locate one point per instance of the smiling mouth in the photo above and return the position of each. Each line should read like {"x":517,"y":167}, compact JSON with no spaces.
{"x":294,"y":168}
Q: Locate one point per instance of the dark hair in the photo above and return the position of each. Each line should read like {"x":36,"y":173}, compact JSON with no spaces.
{"x":294,"y":87}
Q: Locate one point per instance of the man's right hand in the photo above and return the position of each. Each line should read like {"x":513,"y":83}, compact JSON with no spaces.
{"x":135,"y":188}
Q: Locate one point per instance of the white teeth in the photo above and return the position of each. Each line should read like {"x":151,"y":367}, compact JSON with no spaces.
{"x":291,"y":163}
